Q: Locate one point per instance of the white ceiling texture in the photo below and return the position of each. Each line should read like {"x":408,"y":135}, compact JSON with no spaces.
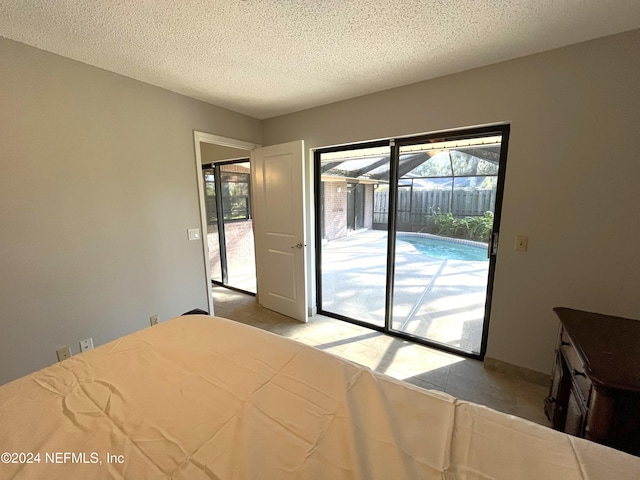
{"x":266,"y":58}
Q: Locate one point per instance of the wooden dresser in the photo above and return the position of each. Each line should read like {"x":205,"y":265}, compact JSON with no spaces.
{"x":595,"y":389}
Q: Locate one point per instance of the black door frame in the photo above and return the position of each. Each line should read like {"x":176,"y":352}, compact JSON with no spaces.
{"x":394,"y":146}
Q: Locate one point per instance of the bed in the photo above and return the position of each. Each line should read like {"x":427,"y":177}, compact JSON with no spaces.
{"x":201,"y":397}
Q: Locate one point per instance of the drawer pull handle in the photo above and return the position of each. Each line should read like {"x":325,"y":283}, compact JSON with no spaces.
{"x":578,"y":373}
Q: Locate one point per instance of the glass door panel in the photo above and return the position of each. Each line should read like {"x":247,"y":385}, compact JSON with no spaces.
{"x":230,"y":225}
{"x":447,"y":192}
{"x":354,"y":235}
{"x":238,"y":226}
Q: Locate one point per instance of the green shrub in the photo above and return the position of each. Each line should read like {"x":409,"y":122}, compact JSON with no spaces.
{"x":470,"y":228}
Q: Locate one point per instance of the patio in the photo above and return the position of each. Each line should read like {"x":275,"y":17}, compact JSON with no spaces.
{"x":438,"y":299}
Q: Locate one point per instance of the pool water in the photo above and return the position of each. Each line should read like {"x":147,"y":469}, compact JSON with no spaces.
{"x":445,"y":249}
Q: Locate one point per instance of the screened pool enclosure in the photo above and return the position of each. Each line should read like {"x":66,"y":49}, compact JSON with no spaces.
{"x":404,"y":233}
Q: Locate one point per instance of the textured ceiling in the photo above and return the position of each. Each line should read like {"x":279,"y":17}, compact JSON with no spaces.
{"x":270,"y":57}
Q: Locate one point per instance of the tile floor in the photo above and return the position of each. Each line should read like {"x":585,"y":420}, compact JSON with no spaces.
{"x":428,"y":368}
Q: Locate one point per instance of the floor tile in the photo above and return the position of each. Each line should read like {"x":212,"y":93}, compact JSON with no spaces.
{"x":413,"y":363}
{"x":502,"y":399}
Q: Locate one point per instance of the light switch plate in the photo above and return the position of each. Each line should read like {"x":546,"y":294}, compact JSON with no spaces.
{"x":194,"y":233}
{"x":522,"y":243}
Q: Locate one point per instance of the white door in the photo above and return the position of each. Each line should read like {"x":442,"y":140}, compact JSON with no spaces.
{"x":278,"y":206}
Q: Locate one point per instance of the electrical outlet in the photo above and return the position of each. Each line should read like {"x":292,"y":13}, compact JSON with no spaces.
{"x":86,"y":344}
{"x":63,"y":353}
{"x":153,"y":320}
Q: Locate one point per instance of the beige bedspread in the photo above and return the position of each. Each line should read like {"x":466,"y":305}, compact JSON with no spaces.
{"x":207,"y":398}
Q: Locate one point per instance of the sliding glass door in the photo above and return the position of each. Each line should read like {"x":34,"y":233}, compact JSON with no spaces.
{"x":349,"y":182}
{"x":418,"y":265}
{"x":230,"y":225}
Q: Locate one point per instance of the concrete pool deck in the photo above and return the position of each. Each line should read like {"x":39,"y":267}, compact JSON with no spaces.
{"x":441,"y":300}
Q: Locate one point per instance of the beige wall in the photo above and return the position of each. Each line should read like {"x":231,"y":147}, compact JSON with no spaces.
{"x":214,"y":153}
{"x":571,"y":181}
{"x":97,"y":190}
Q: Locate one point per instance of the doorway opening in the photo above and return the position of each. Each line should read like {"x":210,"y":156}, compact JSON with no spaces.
{"x":276,"y":182}
{"x":211,"y":150}
{"x":407,"y":235}
{"x":227,"y":189}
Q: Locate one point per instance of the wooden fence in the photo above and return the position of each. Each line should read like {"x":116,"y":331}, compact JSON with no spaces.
{"x":418,"y":207}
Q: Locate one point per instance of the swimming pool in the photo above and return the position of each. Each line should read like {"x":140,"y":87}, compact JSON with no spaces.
{"x":437,"y":247}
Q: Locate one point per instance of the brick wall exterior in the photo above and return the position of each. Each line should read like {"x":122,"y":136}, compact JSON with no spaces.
{"x":234,"y":167}
{"x":240,"y":246}
{"x":335,"y":209}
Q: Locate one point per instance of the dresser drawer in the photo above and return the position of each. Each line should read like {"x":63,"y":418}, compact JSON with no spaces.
{"x":576,"y":369}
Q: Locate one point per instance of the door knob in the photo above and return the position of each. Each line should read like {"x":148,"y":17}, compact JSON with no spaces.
{"x":299,"y":245}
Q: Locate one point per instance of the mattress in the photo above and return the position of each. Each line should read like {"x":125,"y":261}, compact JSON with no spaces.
{"x":201,"y":397}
